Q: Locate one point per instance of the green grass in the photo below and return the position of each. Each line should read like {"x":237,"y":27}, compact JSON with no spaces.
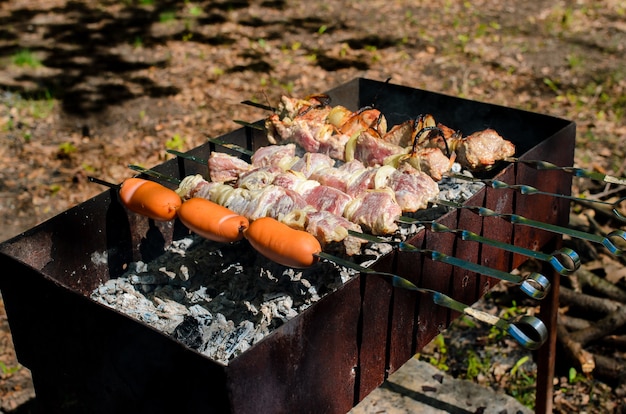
{"x":25,"y":57}
{"x":175,"y":143}
{"x":167,"y":16}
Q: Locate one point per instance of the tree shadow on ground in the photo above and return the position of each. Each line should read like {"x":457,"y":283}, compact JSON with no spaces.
{"x":95,"y":55}
{"x":89,"y":52}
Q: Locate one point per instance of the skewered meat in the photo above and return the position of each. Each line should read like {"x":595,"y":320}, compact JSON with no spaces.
{"x":346,"y":135}
{"x":225,"y":167}
{"x":371,"y":150}
{"x":312,"y":162}
{"x":257,"y":178}
{"x":376,"y":211}
{"x":327,"y":187}
{"x":482,"y":149}
{"x":325,"y":198}
{"x":413,"y":189}
{"x":281,"y":156}
{"x":279,"y":203}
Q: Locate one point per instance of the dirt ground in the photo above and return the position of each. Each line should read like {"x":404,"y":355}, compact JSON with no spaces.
{"x":88,"y":87}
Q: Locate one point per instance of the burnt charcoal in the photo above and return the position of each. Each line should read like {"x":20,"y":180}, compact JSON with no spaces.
{"x":189,"y":333}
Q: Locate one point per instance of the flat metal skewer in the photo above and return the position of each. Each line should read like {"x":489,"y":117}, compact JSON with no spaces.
{"x":577,"y":172}
{"x":614,"y":242}
{"x":103,"y":182}
{"x":154,"y":174}
{"x":259,"y":105}
{"x":230,"y":146}
{"x":535,"y":285}
{"x":187,"y":156}
{"x":565,"y":261}
{"x":249,"y":124}
{"x":528,"y":190}
{"x":528,"y":331}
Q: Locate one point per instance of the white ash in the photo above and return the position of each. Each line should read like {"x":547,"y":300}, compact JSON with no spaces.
{"x":457,"y":190}
{"x":217,"y":299}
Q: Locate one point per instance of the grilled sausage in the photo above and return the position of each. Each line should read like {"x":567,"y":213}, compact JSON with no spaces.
{"x":212,"y":221}
{"x":282,"y":244}
{"x":149,"y":199}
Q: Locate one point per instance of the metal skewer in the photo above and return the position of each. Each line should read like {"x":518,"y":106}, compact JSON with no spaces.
{"x":230,"y":146}
{"x":259,"y":105}
{"x":577,"y":172}
{"x":565,"y":261}
{"x":534,"y":285}
{"x":249,"y":124}
{"x":615,"y":241}
{"x":187,"y":156}
{"x":528,"y":331}
{"x":102,"y":182}
{"x":528,"y":190}
{"x":155,"y":174}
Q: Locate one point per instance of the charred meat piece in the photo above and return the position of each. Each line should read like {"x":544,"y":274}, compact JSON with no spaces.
{"x":482,"y":149}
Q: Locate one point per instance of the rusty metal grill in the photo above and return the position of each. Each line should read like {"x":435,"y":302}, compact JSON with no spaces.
{"x":88,"y":358}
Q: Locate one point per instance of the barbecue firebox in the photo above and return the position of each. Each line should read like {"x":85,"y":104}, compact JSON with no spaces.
{"x":85,"y":357}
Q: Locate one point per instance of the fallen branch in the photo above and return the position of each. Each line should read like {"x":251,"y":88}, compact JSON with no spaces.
{"x":587,"y":302}
{"x":572,"y":323}
{"x":600,"y":285}
{"x":618,"y":341}
{"x":601,"y":328}
{"x":609,"y":368}
{"x":575,"y":351}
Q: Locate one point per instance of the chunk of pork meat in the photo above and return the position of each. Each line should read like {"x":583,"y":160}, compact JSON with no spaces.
{"x":258,"y":178}
{"x":372,"y":151}
{"x":330,"y":228}
{"x":225,"y":167}
{"x":431,"y":161}
{"x":295,"y":181}
{"x":324,"y":198}
{"x":400,"y":134}
{"x":376,"y":211}
{"x":482,"y":149}
{"x":312,"y":162}
{"x":281,"y":156}
{"x":341,"y":177}
{"x":413,"y":189}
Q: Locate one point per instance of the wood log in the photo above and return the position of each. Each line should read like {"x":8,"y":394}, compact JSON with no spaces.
{"x":575,"y":351}
{"x":572,"y":323}
{"x":609,"y":368}
{"x":600,"y":285}
{"x":603,"y":327}
{"x":588,"y":302}
{"x":617,"y":341}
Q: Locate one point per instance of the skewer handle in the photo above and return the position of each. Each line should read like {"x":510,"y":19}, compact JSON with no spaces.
{"x":534,"y":285}
{"x":528,"y":331}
